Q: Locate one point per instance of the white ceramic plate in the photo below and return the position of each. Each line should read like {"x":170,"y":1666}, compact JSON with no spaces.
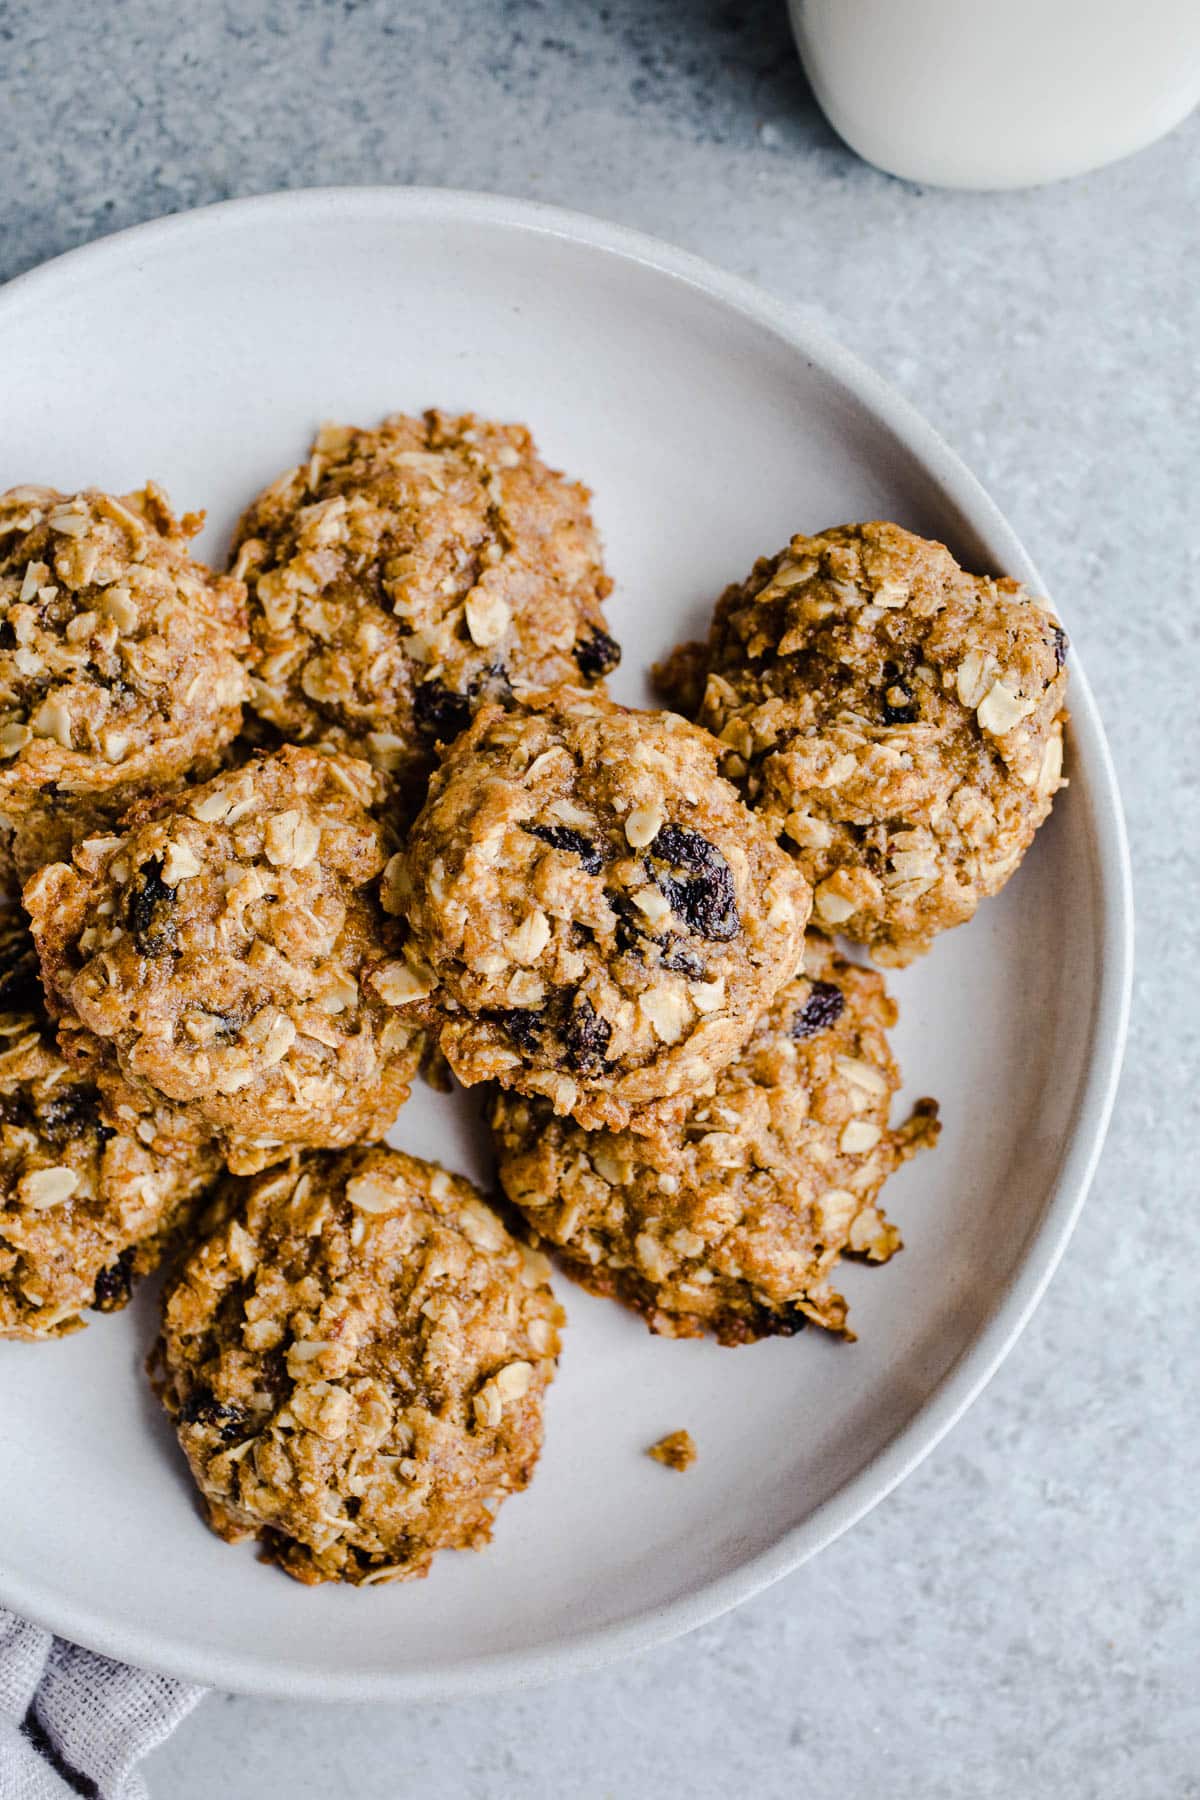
{"x":711,"y":423}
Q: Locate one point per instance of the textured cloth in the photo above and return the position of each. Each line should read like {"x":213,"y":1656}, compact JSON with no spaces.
{"x":75,"y":1723}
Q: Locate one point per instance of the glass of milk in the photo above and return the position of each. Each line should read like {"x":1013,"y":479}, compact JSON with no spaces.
{"x":1000,"y":93}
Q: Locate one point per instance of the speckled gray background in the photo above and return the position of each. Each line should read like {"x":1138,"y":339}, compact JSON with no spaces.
{"x":1022,"y":1618}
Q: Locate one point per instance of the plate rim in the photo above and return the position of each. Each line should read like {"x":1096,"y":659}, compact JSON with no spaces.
{"x":1014,"y":1303}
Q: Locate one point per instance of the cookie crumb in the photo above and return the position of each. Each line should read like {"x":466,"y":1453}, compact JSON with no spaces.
{"x":675,"y":1451}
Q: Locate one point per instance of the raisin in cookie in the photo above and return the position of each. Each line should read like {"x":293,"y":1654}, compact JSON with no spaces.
{"x":402,"y":577}
{"x":732,"y":1220}
{"x":898,"y":722}
{"x":603,"y":917}
{"x":94,"y":1180}
{"x":355,"y":1361}
{"x":120,"y":665}
{"x":228,"y":946}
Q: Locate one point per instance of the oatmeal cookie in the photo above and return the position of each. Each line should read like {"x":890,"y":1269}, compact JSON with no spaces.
{"x":402,"y":577}
{"x":355,"y":1361}
{"x":94,"y":1180}
{"x":47,"y":835}
{"x":732,"y":1220}
{"x":230,"y":949}
{"x":898,"y":722}
{"x":603,"y":917}
{"x":120,"y":667}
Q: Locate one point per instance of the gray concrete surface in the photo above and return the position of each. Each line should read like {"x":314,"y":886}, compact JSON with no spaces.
{"x":1022,"y":1617}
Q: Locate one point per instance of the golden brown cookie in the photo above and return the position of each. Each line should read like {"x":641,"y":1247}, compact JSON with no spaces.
{"x":602,"y":916}
{"x":94,"y":1180}
{"x":228,"y":947}
{"x":120,"y":670}
{"x":402,"y":577}
{"x":355,"y":1361}
{"x":732,"y":1220}
{"x":898,"y":722}
{"x":48,"y":834}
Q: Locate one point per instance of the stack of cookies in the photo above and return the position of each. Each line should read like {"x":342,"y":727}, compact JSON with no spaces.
{"x":280,"y":839}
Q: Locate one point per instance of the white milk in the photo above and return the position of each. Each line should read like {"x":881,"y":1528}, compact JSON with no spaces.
{"x":1000,"y":93}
